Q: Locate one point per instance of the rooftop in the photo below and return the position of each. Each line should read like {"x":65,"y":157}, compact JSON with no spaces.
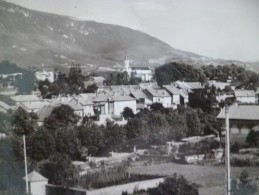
{"x":175,"y":91}
{"x":140,"y":68}
{"x":45,"y":112}
{"x":244,"y":93}
{"x":158,"y":92}
{"x":25,"y":98}
{"x":188,"y":85}
{"x":34,"y":176}
{"x":241,"y":112}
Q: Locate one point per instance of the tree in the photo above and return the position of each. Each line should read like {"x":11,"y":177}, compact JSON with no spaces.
{"x":61,"y":117}
{"x":59,"y":170}
{"x":127,"y":113}
{"x":243,"y":186}
{"x":156,"y":106}
{"x":177,"y":185}
{"x":91,"y":88}
{"x":76,"y":79}
{"x":24,"y":123}
{"x":252,"y":138}
{"x":92,"y":138}
{"x":43,"y":147}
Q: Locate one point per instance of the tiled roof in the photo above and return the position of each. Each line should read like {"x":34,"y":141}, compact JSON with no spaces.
{"x":140,"y":68}
{"x":244,"y":93}
{"x":111,"y":97}
{"x":33,"y":105}
{"x":45,"y":111}
{"x":188,"y":85}
{"x":175,"y":91}
{"x":138,"y":94}
{"x":25,"y":98}
{"x":34,"y":176}
{"x":217,"y":84}
{"x":158,"y":92}
{"x":241,"y":112}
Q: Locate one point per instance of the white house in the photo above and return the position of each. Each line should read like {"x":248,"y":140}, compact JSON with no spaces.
{"x":37,"y":183}
{"x":142,"y":100}
{"x":245,"y":96}
{"x":43,"y":75}
{"x":179,"y":96}
{"x":113,"y":104}
{"x":158,"y":96}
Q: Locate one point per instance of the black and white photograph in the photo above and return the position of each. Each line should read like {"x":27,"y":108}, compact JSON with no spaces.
{"x":129,"y":97}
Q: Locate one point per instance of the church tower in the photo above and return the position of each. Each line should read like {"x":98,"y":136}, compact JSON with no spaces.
{"x":126,"y":65}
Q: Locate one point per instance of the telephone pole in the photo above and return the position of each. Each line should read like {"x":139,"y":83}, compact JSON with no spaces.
{"x":25,"y":164}
{"x":227,"y":153}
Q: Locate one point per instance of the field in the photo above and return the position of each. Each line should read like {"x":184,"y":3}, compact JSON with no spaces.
{"x":210,"y":178}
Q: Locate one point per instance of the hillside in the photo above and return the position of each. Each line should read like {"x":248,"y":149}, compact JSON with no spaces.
{"x":31,"y":38}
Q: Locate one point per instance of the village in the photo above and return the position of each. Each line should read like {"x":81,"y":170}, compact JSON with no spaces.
{"x":118,"y":103}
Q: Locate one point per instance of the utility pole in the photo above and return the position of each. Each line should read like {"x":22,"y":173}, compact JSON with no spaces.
{"x":25,"y":163}
{"x":227,"y":153}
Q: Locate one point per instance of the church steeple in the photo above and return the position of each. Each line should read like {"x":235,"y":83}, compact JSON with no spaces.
{"x":126,"y":57}
{"x":126,"y":64}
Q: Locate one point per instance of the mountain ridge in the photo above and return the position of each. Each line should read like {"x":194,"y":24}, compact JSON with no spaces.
{"x":32,"y":38}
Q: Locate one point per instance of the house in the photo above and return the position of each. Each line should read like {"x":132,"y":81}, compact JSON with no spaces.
{"x":114,"y":103}
{"x":242,"y":119}
{"x":190,"y":87}
{"x":141,"y":98}
{"x":44,"y":112}
{"x":158,"y":96}
{"x":245,"y":96}
{"x":37,"y":183}
{"x":26,"y":98}
{"x":43,"y":75}
{"x":179,"y":96}
{"x":33,"y":106}
{"x":11,"y":75}
{"x":81,"y":106}
{"x":98,"y":80}
{"x":218,"y":85}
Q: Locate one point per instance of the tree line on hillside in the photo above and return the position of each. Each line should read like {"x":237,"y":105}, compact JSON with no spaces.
{"x":174,"y":71}
{"x":238,"y":75}
{"x":243,"y":78}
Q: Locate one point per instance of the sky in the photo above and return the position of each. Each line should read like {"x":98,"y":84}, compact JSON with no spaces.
{"x":225,"y":29}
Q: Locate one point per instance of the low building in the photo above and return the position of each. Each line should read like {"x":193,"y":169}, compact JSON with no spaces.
{"x":43,"y":75}
{"x":245,"y":96}
{"x":158,"y":96}
{"x":141,"y":98}
{"x":37,"y":183}
{"x":33,"y":106}
{"x":179,"y":96}
{"x":98,"y":80}
{"x":242,"y":119}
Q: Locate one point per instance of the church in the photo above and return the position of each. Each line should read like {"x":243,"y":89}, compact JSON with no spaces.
{"x":144,"y":73}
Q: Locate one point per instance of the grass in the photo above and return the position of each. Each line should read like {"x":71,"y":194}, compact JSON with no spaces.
{"x":210,"y":178}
